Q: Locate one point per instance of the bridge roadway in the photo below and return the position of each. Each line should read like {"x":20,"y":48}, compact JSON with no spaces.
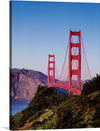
{"x":70,"y":89}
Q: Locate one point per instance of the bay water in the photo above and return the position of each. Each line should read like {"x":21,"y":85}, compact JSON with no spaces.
{"x":17,"y":106}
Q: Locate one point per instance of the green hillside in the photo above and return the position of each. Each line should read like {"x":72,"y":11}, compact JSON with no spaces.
{"x":49,"y":110}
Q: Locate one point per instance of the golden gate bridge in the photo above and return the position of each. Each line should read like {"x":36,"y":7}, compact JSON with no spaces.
{"x":72,"y":66}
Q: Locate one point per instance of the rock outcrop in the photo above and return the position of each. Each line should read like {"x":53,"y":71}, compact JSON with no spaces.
{"x":23,"y":85}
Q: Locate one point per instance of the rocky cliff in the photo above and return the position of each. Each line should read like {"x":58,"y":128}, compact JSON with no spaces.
{"x":24,"y":83}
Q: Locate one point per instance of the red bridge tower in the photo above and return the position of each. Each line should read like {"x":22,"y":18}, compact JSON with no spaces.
{"x":74,"y":57}
{"x":51,"y":69}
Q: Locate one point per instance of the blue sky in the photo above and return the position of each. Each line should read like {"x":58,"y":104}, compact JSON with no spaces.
{"x":42,"y":28}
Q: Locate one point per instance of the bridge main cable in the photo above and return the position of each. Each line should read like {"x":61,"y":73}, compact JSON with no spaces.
{"x":64,"y":60}
{"x":86,"y":59}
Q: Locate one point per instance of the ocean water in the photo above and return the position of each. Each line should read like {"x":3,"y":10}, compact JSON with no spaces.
{"x":17,"y":106}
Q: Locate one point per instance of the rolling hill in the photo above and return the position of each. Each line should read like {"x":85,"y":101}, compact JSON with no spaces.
{"x":51,"y":110}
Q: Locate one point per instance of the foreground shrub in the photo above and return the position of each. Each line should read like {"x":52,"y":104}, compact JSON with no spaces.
{"x":91,"y":86}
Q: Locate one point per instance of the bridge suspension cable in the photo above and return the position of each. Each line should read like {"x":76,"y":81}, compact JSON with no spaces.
{"x":86,"y":59}
{"x":64,"y":60}
{"x":56,"y":73}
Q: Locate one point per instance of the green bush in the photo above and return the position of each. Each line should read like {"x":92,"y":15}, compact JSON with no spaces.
{"x":64,"y":116}
{"x":91,"y":86}
{"x":15,"y":121}
{"x":48,"y":110}
{"x":83,"y":100}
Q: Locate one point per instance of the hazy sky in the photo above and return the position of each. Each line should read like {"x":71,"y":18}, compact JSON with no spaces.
{"x":42,"y":28}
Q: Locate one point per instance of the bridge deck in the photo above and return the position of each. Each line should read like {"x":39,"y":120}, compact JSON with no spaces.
{"x":70,"y":89}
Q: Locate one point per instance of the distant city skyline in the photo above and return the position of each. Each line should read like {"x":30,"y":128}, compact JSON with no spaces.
{"x":42,"y":28}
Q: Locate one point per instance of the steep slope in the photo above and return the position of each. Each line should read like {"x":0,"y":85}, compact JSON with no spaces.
{"x":49,"y":110}
{"x":23,"y":87}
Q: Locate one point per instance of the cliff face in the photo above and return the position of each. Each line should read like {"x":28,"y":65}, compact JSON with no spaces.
{"x":23,"y":87}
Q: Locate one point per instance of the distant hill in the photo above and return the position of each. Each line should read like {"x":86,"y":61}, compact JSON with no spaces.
{"x":24,"y":83}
